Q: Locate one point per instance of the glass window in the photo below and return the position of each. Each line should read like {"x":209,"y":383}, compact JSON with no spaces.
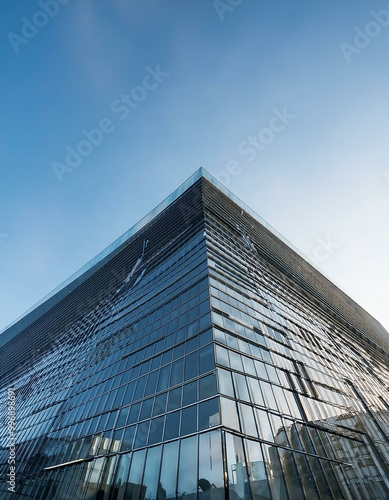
{"x":177,"y":372}
{"x":187,"y":469}
{"x":169,"y":466}
{"x":205,"y":337}
{"x":261,"y":369}
{"x":236,"y":361}
{"x":191,"y":368}
{"x":281,"y":400}
{"x":279,"y":431}
{"x":156,"y":430}
{"x":145,"y":411}
{"x":307,"y":479}
{"x":122,"y":417}
{"x":160,"y":404}
{"x":178,"y":351}
{"x":207,"y":360}
{"x":291,"y":475}
{"x":189,"y":393}
{"x":222,"y":357}
{"x":268,"y":395}
{"x":241,"y":387}
{"x":248,"y":366}
{"x":247,"y":420}
{"x":208,"y":414}
{"x":293,"y":406}
{"x":142,"y":434}
{"x":207,"y":386}
{"x":95,"y":471}
{"x":107,"y":479}
{"x":236,"y":468}
{"x":151,"y":383}
{"x":134,"y":488}
{"x":262,"y":420}
{"x":134,"y":413}
{"x":229,"y":413}
{"x":163,"y":380}
{"x":225,"y":382}
{"x":174,"y":401}
{"x":258,"y":474}
{"x":151,"y":474}
{"x":128,"y":438}
{"x":172,"y":425}
{"x":255,"y":391}
{"x":189,"y":420}
{"x":140,"y":387}
{"x":273,"y":463}
{"x":272,"y":373}
{"x":211,"y":480}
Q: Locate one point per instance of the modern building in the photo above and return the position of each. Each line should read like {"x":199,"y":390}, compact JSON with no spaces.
{"x":198,"y":357}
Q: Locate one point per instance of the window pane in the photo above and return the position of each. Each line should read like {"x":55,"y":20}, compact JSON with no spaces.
{"x":187,"y":471}
{"x":222,"y":356}
{"x":255,"y":391}
{"x":142,"y":434}
{"x":191,"y":368}
{"x":236,"y":361}
{"x":177,"y":372}
{"x":258,"y":476}
{"x":145,"y":411}
{"x":189,"y":393}
{"x":207,"y":360}
{"x":156,"y":430}
{"x":160,"y":404}
{"x":150,"y":478}
{"x":174,"y":400}
{"x":208,"y":414}
{"x":211,"y":480}
{"x":189,"y":420}
{"x":172,"y":425}
{"x":241,"y":387}
{"x":269,"y":396}
{"x":135,"y":490}
{"x":164,"y":375}
{"x":247,"y":420}
{"x":263,"y":425}
{"x":207,"y":386}
{"x":128,"y":438}
{"x":229,"y":413}
{"x":106,"y":482}
{"x":151,"y":383}
{"x":169,"y":470}
{"x":225,"y":382}
{"x":236,"y":467}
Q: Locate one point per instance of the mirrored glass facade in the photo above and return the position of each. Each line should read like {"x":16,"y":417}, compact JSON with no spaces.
{"x":200,"y":358}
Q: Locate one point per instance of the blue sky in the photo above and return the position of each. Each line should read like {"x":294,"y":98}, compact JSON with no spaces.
{"x":203,"y":79}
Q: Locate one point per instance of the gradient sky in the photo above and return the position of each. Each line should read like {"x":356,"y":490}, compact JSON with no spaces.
{"x":227,"y":71}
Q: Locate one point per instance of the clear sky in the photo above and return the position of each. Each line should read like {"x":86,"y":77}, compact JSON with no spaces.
{"x":107,"y":106}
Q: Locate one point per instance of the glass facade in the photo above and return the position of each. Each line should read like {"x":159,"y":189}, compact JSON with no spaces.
{"x":205,"y":372}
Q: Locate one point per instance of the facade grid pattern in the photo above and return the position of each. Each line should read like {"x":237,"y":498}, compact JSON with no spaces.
{"x":204,"y":372}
